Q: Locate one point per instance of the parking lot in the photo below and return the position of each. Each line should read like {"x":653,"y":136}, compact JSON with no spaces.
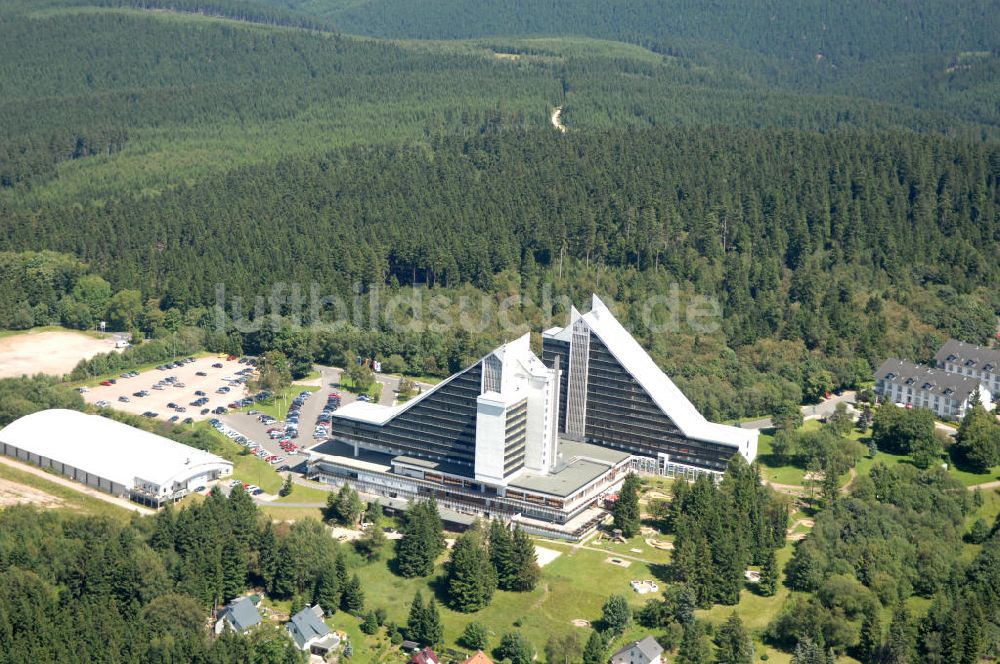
{"x":180,"y":391}
{"x":251,"y":426}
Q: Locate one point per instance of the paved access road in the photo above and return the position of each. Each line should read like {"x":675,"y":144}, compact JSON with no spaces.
{"x":823,"y":409}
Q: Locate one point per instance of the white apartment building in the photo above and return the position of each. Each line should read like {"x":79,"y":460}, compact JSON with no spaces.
{"x":964,"y":359}
{"x":948,"y":395}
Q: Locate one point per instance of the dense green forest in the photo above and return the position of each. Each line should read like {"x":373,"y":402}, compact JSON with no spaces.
{"x":828,"y":174}
{"x":926,"y":54}
{"x":87,"y":116}
{"x":825,"y":241}
{"x":87,"y":589}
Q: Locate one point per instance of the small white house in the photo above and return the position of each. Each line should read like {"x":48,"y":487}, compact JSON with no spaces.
{"x":310,"y":633}
{"x":240,"y":615}
{"x":644,"y":651}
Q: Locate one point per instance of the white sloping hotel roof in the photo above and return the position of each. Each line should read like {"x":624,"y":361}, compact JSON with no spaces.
{"x":107,"y":448}
{"x":657,"y":384}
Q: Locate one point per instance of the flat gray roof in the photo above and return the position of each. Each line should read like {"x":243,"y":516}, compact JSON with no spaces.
{"x":336,"y":448}
{"x":562,"y":482}
{"x":568,"y":449}
{"x":440,"y":466}
{"x":579,"y":464}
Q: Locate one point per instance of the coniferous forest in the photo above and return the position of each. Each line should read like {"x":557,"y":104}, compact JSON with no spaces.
{"x":827,"y":174}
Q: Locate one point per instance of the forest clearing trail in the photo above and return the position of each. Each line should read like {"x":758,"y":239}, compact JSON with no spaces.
{"x":557,"y":119}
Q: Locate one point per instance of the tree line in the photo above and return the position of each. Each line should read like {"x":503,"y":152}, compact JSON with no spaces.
{"x":82,"y":588}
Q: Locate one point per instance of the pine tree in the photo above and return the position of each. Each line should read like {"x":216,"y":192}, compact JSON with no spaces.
{"x":372,"y":543}
{"x":899,"y":645}
{"x":370,"y":623}
{"x":807,"y":652}
{"x":340,"y":567}
{"x":593,"y":652}
{"x":729,"y":568}
{"x":695,"y":647}
{"x":327,"y":591}
{"x":626,"y":509}
{"x":164,"y":532}
{"x":769,"y":574}
{"x":870,"y":638}
{"x":422,"y":541}
{"x":685,"y":604}
{"x":267,"y":556}
{"x":352,"y":599}
{"x":234,"y":569}
{"x":525,"y":563}
{"x":471,"y":578}
{"x":502,"y":554}
{"x":734,"y":643}
{"x":433,"y":629}
{"x":416,"y":625}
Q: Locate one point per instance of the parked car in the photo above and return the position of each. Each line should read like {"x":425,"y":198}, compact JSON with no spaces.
{"x":106,"y":383}
{"x":217,"y":365}
{"x":188,"y":420}
{"x":124,"y":399}
{"x":200,"y":373}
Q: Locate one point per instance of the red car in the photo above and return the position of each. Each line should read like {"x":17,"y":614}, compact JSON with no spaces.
{"x":106,"y":383}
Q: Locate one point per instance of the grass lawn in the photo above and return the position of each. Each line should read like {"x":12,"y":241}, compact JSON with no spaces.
{"x":277,"y":406}
{"x":305,"y":494}
{"x":969,"y":478}
{"x":645,"y":552}
{"x":560,"y":597}
{"x":70,"y":498}
{"x":374,"y":390}
{"x":277,"y":513}
{"x":771,"y":468}
{"x":54,"y":328}
{"x":250,"y":469}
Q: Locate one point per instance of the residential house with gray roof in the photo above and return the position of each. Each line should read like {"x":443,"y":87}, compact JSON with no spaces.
{"x":240,"y":615}
{"x":644,"y":651}
{"x":309,"y":631}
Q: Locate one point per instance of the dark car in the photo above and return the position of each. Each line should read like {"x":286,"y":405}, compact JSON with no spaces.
{"x":188,"y":420}
{"x":149,"y":413}
{"x":204,"y":411}
{"x":217,"y":365}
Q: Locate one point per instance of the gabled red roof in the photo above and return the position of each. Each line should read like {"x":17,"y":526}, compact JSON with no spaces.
{"x":425,"y":656}
{"x":479,"y":658}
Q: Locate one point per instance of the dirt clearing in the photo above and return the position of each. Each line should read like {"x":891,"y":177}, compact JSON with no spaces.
{"x":53,"y":352}
{"x":12,"y":493}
